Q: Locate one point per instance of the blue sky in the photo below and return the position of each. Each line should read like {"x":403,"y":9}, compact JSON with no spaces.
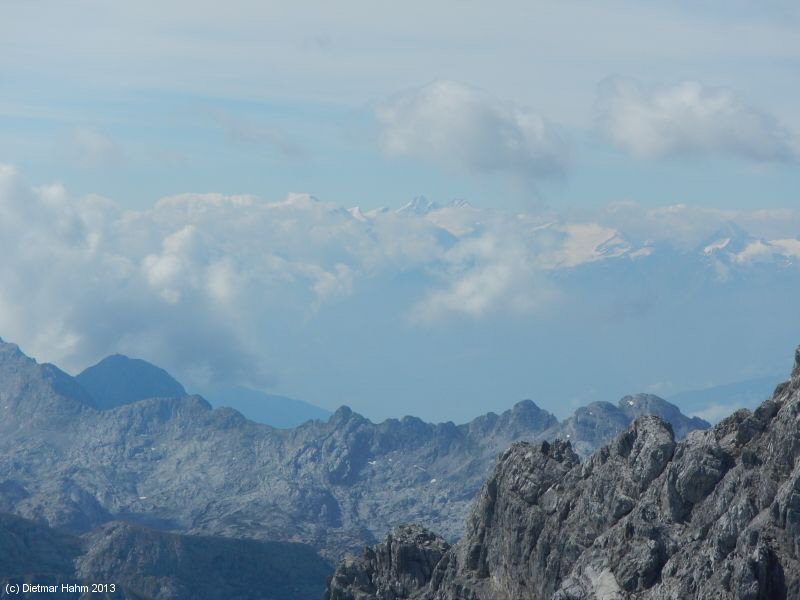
{"x":263,"y":98}
{"x":554,"y":112}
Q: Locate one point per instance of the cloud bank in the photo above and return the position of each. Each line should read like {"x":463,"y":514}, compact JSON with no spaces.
{"x":216,"y":288}
{"x":199,"y":281}
{"x":689,"y":119}
{"x":455,"y":125}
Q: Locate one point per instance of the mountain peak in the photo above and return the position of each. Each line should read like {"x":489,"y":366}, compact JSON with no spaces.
{"x":639,"y":405}
{"x":118,"y":380}
{"x":34,"y":392}
{"x":341,"y":415}
{"x":420,"y":205}
{"x":730,"y":238}
{"x":527,"y":413}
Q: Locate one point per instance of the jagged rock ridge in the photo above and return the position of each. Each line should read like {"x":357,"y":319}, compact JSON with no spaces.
{"x":716,"y":515}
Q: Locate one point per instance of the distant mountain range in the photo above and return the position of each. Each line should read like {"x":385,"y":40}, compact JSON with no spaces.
{"x":271,"y":409}
{"x":119,"y":380}
{"x":98,"y":480}
{"x":177,"y":464}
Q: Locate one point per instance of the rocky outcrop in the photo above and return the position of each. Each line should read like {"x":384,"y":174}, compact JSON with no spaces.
{"x":396,"y":569}
{"x":596,"y":424}
{"x":542,"y":509}
{"x":716,"y":515}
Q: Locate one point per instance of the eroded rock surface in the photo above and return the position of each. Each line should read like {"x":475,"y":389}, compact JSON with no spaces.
{"x":716,"y":515}
{"x":395,"y":569}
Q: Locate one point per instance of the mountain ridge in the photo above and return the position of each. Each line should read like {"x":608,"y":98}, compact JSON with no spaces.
{"x":647,"y":516}
{"x":180,"y":465}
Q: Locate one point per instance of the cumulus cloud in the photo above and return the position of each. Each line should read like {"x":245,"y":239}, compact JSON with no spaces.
{"x":189,"y":282}
{"x":488,"y":273}
{"x":689,"y":119}
{"x":449,"y":123}
{"x":199,"y":282}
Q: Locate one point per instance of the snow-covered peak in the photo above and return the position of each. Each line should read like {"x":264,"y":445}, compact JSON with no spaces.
{"x":586,"y":242}
{"x":718,"y":245}
{"x":357,"y":214}
{"x":762,"y":251}
{"x":420,"y":205}
{"x":730,"y":238}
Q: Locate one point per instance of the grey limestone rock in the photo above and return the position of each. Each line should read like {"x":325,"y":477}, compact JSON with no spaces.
{"x":175,"y":463}
{"x":715,"y":515}
{"x":395,"y":569}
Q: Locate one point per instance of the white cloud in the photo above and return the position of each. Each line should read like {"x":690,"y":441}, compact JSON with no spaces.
{"x":202,"y":283}
{"x":689,"y":119}
{"x":452,"y":124}
{"x":489,"y":273}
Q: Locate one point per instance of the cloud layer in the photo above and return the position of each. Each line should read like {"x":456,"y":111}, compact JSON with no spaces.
{"x":449,"y":123}
{"x":689,"y":119}
{"x":199,"y":281}
{"x":224,"y":288}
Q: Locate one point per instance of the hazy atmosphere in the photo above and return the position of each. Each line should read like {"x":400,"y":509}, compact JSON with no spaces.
{"x":435,"y":210}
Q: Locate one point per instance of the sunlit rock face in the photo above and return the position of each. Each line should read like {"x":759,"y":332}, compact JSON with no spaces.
{"x":711,"y":516}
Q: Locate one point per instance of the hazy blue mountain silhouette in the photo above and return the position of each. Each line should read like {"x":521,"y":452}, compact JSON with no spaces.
{"x":278,"y":411}
{"x":118,"y":380}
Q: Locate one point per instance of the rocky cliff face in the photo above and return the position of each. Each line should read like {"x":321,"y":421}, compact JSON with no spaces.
{"x":397,"y":568}
{"x":716,"y":515}
{"x":177,"y":464}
